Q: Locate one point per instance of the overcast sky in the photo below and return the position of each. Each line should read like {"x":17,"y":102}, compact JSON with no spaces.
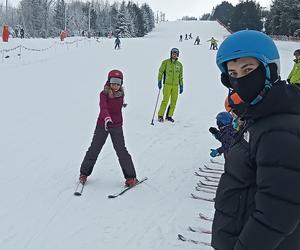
{"x":175,"y":9}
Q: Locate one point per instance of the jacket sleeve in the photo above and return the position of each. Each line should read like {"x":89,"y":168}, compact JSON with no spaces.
{"x":162,"y":69}
{"x":104,"y":114}
{"x":292,"y":71}
{"x":277,"y":200}
{"x":181,"y":75}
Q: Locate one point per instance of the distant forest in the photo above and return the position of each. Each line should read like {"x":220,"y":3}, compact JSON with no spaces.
{"x":47,"y":18}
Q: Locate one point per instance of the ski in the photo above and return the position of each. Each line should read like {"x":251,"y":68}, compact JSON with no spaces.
{"x":79,"y":188}
{"x":204,"y":217}
{"x":207,"y":185}
{"x":214,"y":169}
{"x":211,"y":179}
{"x":209,"y":172}
{"x":207,"y":176}
{"x":202,"y":189}
{"x":199,"y":230}
{"x":126,"y":189}
{"x":201,"y":198}
{"x":183,"y":238}
{"x":216,"y":162}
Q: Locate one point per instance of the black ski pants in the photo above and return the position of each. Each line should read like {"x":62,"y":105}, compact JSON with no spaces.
{"x":99,"y":138}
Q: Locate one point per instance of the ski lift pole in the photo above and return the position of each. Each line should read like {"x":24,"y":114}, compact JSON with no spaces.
{"x":155,"y":107}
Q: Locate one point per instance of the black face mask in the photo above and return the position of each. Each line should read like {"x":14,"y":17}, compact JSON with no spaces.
{"x":248,"y":87}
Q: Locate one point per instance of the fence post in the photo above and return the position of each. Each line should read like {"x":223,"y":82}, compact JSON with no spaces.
{"x":20,"y":51}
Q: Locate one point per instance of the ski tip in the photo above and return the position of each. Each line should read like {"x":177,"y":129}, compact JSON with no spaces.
{"x":181,"y":237}
{"x":77,"y":194}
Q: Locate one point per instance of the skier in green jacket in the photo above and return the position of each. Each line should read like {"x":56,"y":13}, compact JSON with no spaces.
{"x":294,"y":76}
{"x":171,"y":75}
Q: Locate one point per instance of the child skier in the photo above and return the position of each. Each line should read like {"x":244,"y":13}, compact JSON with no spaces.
{"x":233,"y":100}
{"x":110,"y":122}
{"x":197,"y":41}
{"x":294,"y":76}
{"x":117,"y":43}
{"x":224,"y":133}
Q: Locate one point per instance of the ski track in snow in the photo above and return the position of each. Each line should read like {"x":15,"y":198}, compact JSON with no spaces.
{"x":49,"y":107}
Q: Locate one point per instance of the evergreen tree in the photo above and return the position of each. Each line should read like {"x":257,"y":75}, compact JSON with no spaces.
{"x":137,"y":19}
{"x":284,"y":17}
{"x":93,"y":18}
{"x":205,"y":16}
{"x":148,"y":17}
{"x":123,"y":23}
{"x":223,"y":12}
{"x":113,"y":14}
{"x":246,"y":15}
{"x":59,"y":15}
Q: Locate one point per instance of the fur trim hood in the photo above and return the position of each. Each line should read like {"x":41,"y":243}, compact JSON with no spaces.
{"x":111,"y":94}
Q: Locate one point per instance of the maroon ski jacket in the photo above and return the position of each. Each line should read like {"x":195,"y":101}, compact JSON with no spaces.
{"x":111,"y":107}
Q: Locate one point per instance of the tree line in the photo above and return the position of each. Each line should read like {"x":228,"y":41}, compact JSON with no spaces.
{"x":283,"y":18}
{"x":47,"y":18}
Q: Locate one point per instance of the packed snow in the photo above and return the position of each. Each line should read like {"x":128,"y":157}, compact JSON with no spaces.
{"x":49,"y":107}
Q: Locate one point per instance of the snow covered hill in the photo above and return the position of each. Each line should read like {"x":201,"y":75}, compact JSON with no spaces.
{"x":49,"y":106}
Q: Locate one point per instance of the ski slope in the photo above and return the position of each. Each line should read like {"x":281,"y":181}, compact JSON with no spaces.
{"x":49,"y":107}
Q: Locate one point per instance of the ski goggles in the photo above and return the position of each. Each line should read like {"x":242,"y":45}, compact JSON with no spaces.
{"x":115,"y":80}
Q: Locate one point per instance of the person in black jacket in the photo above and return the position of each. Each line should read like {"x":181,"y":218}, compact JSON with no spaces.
{"x":224,"y":134}
{"x":258,"y":200}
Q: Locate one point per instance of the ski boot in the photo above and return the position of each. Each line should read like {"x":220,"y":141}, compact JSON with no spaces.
{"x":170,"y":119}
{"x":130,"y":182}
{"x":82,"y":178}
{"x":160,"y":119}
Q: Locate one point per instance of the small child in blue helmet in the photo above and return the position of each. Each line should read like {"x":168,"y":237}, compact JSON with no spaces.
{"x":223,"y":134}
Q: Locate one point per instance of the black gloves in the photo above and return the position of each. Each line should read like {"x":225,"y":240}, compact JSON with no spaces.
{"x":213,"y":130}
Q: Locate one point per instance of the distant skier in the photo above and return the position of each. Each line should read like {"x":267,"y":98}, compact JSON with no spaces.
{"x":197,"y":41}
{"x":110,"y":122}
{"x":117,"y":43}
{"x":22,"y":33}
{"x":186,"y":37}
{"x":171,"y":75}
{"x":190,"y":36}
{"x":225,"y":134}
{"x":213,"y":43}
{"x":294,"y":76}
{"x":180,"y":38}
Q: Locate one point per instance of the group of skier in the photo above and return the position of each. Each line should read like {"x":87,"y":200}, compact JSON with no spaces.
{"x":257,"y":204}
{"x":187,"y":37}
{"x":110,"y":119}
{"x":213,"y":41}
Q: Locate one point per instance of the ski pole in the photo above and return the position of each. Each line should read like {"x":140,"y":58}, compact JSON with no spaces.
{"x":155,"y":107}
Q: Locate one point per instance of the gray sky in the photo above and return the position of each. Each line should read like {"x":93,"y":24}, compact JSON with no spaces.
{"x":175,"y":9}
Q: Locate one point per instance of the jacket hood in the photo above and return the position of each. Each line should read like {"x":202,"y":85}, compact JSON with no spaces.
{"x":107,"y":90}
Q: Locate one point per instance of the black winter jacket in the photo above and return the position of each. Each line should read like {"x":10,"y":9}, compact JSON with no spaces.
{"x":258,"y":198}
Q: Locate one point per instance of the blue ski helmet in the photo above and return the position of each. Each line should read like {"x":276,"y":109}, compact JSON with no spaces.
{"x":224,"y":117}
{"x":248,"y":43}
{"x":175,"y":50}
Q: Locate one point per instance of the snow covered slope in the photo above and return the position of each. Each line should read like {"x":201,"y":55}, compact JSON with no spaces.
{"x":49,"y":106}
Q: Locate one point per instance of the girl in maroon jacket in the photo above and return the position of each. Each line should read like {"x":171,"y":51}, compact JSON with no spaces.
{"x":110,"y":122}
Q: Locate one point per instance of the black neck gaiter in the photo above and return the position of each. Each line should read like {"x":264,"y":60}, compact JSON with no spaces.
{"x":248,"y":87}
